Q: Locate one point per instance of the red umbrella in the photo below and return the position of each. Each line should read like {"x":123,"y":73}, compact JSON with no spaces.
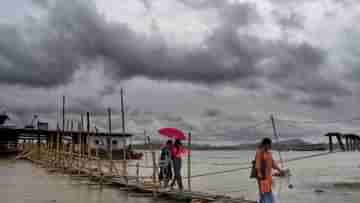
{"x":172,"y":133}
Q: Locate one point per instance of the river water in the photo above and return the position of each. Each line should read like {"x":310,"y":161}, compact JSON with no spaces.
{"x":333,"y":178}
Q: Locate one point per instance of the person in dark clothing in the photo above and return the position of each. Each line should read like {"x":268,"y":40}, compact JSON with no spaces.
{"x":176,"y":153}
{"x":165,"y":174}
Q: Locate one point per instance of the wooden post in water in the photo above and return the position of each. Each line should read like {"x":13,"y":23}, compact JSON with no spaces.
{"x":57,"y":156}
{"x":153,"y":155}
{"x":98,"y":157}
{"x":82,"y":137}
{"x":63,"y":123}
{"x":330,"y":143}
{"x":111,"y":151}
{"x":79,"y":148}
{"x":82,"y":156}
{"x":137,"y":172}
{"x":38,"y":143}
{"x":124,"y":138}
{"x":122,"y":110}
{"x":189,"y":162}
{"x":146,"y":153}
{"x":88,"y":134}
{"x":339,"y":139}
{"x":72,"y":147}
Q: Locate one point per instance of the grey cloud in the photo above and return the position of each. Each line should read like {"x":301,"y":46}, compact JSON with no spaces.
{"x":287,"y":2}
{"x":345,"y":3}
{"x":204,"y":4}
{"x":66,"y":45}
{"x":147,"y":4}
{"x":298,"y":69}
{"x":43,"y":3}
{"x":170,"y":117}
{"x":211,"y":112}
{"x":108,"y":90}
{"x":240,"y":14}
{"x":172,"y":120}
{"x":235,"y":14}
{"x":88,"y":104}
{"x":319,"y":102}
{"x":76,"y":35}
{"x":292,"y":20}
{"x":21,"y":63}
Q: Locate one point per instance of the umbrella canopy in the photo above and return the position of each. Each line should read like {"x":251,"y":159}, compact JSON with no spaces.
{"x":172,"y":133}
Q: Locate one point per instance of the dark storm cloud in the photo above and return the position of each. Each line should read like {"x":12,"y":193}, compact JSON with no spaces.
{"x":75,"y":35}
{"x":298,"y":69}
{"x":38,"y":65}
{"x":65,"y":44}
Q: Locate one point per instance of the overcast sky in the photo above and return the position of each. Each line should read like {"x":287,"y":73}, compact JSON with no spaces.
{"x":211,"y":67}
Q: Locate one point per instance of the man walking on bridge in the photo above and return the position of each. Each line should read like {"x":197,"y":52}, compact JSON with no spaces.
{"x":264,"y":164}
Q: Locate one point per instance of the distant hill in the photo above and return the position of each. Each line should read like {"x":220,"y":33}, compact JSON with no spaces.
{"x":285,"y":145}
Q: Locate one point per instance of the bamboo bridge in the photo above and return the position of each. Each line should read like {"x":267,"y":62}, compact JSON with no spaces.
{"x":68,"y":152}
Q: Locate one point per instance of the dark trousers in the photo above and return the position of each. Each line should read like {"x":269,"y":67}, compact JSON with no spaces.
{"x":177,"y":173}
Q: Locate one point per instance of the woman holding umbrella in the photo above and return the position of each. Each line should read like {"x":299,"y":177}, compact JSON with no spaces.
{"x":176,"y":152}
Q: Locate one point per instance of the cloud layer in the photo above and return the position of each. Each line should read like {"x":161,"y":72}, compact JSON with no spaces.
{"x":46,"y":50}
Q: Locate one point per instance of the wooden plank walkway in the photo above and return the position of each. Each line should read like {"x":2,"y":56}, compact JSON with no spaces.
{"x":105,"y":172}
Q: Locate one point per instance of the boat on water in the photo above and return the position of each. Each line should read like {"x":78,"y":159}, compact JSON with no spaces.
{"x":3,"y":118}
{"x":102,"y":145}
{"x":8,"y":142}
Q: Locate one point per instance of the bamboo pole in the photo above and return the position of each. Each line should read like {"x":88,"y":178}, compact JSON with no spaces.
{"x":57,"y":147}
{"x":111,"y":152}
{"x":153,"y":155}
{"x":124,"y":139}
{"x":82,"y":157}
{"x":98,"y":158}
{"x":88,"y":140}
{"x":122,"y":110}
{"x":277,"y":137}
{"x":88,"y":133}
{"x":38,"y":144}
{"x":146,"y":153}
{"x":63,"y":117}
{"x":72,"y":143}
{"x":137,"y":172}
{"x":80,"y":148}
{"x":189,"y":162}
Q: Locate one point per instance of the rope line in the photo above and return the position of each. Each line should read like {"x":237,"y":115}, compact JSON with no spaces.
{"x":249,"y":167}
{"x":320,"y":122}
{"x":254,"y":125}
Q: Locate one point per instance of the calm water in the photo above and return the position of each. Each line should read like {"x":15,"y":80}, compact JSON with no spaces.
{"x":337,"y":175}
